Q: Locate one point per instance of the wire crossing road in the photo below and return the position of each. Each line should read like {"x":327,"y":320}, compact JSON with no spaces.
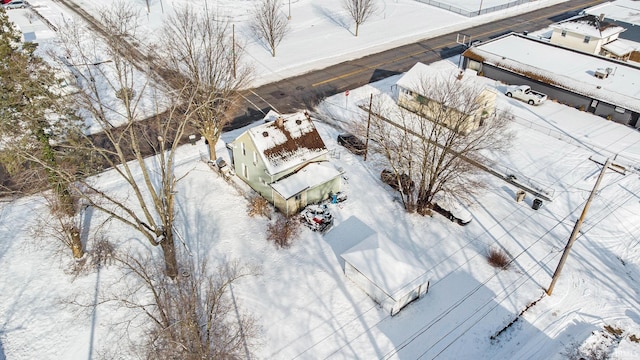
{"x":304,"y":91}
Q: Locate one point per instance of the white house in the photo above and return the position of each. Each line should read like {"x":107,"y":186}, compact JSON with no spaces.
{"x":428,"y":90}
{"x":591,"y":34}
{"x":285,"y":161}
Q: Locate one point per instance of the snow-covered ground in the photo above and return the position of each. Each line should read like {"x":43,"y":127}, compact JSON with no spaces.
{"x":321,"y":32}
{"x":305,"y":305}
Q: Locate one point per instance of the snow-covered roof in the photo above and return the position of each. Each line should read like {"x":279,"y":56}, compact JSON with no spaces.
{"x":618,"y":47}
{"x":621,"y":10}
{"x":286,"y":141}
{"x":391,"y":268}
{"x":423,"y":78}
{"x":589,"y":25}
{"x":563,"y":68}
{"x":308,"y":177}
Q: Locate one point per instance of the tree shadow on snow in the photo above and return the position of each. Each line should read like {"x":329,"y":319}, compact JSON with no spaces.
{"x":335,"y":17}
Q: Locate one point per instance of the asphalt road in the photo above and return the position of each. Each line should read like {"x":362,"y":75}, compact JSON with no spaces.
{"x":304,"y":91}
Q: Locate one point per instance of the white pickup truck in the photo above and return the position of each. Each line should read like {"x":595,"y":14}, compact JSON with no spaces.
{"x":524,"y":93}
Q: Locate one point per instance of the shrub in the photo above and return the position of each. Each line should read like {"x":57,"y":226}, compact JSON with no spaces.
{"x":283,"y":230}
{"x":259,"y":206}
{"x":498,"y":258}
{"x":589,"y":352}
{"x":125,"y":93}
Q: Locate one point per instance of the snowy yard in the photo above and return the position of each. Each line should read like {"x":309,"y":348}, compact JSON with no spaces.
{"x":306,"y":307}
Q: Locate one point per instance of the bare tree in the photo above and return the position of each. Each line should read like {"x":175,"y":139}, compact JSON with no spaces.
{"x":115,"y":96}
{"x":270,"y":24}
{"x":439,"y":142}
{"x":195,"y":316}
{"x":202,"y":58}
{"x":33,"y":117}
{"x":360,"y":10}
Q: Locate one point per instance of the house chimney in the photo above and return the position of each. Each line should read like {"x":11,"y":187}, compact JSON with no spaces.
{"x":460,"y":75}
{"x":279,"y":121}
{"x":601,"y":18}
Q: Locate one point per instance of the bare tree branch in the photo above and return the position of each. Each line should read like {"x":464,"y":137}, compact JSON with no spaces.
{"x":270,"y":24}
{"x":202,"y":58}
{"x":360,"y":10}
{"x":435,"y":143}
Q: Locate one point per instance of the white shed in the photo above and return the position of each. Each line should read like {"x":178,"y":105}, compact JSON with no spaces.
{"x":391,"y":276}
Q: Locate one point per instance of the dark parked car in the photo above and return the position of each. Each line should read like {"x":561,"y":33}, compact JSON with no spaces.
{"x":389,"y":178}
{"x":352,"y":143}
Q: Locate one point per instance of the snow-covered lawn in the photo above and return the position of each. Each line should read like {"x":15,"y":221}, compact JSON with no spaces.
{"x":321,"y":32}
{"x":307,"y":309}
{"x":306,"y":306}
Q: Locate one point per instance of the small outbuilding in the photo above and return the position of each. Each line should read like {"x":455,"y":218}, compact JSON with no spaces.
{"x":391,"y":276}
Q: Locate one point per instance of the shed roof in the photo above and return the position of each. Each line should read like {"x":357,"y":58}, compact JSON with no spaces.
{"x":288,"y":143}
{"x":618,"y":48}
{"x":563,"y":68}
{"x":392,"y":269}
{"x":311,"y":175}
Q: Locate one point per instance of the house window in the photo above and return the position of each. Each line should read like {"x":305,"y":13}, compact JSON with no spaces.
{"x":255,"y":158}
{"x":298,"y":197}
{"x":244,"y":150}
{"x":245,"y":171}
{"x":564,"y":33}
{"x":422,"y":100}
{"x":587,"y":39}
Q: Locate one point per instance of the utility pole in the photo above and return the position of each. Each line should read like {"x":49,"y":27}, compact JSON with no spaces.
{"x":289,"y":10}
{"x":576,"y":228}
{"x":366,"y":142}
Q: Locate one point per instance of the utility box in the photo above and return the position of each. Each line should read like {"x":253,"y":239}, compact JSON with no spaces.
{"x":520,"y":195}
{"x":537,"y":203}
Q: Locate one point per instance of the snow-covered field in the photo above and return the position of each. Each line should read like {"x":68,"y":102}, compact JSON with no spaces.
{"x":305,"y":305}
{"x":321,"y":33}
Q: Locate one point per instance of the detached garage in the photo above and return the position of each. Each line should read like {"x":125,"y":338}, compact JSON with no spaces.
{"x":391,"y":276}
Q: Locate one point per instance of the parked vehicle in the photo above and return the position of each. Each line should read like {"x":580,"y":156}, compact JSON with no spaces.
{"x":317,"y":217}
{"x":221,"y":166}
{"x":389,"y":177}
{"x":452,"y":209}
{"x":15,"y":4}
{"x":352,"y":143}
{"x":524,"y":93}
{"x":338,"y":197}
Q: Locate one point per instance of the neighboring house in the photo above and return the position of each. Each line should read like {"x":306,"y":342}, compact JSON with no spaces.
{"x":593,"y":35}
{"x":603,"y":86}
{"x":623,"y":13}
{"x":420,"y":91}
{"x":285,"y":161}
